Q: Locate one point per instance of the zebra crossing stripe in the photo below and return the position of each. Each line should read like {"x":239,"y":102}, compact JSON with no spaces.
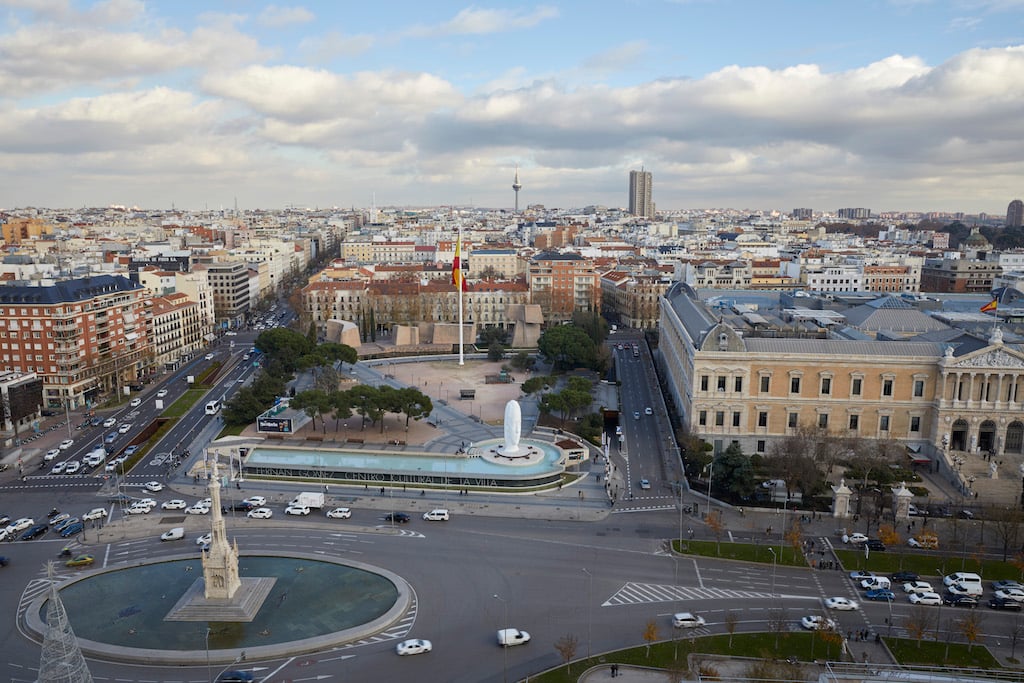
{"x":647,"y":593}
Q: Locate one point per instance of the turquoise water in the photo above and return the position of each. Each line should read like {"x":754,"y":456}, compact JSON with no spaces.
{"x":401,"y":464}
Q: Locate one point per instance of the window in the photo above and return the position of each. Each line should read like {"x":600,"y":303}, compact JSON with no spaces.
{"x":736,"y":419}
{"x":766,"y":383}
{"x":823,"y":420}
{"x":792,"y":421}
{"x":721,"y":383}
{"x":826,"y":386}
{"x":794,"y":385}
{"x":886,"y":387}
{"x":854,"y":422}
{"x":738,"y":385}
{"x":762,"y":418}
{"x":760,"y":447}
{"x":915,"y":424}
{"x":856,"y":387}
{"x":720,"y":418}
{"x":918,"y":388}
{"x":703,"y":382}
{"x":702,"y":418}
{"x":883,"y":423}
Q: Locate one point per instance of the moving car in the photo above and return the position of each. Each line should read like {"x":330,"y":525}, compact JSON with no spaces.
{"x":136,"y":509}
{"x":176,"y":504}
{"x":51,"y":454}
{"x":648,"y":411}
{"x":645,"y":484}
{"x":399,"y":517}
{"x":109,"y":422}
{"x":814,"y":622}
{"x":339,"y":513}
{"x":208,"y":356}
{"x":95,"y":513}
{"x":927,"y":542}
{"x":204,"y":539}
{"x":130,"y":450}
{"x":236,"y":676}
{"x":296,"y":510}
{"x":256,"y":501}
{"x":260,"y":513}
{"x":198,"y":509}
{"x":687,"y":620}
{"x":925,"y":598}
{"x":66,"y":444}
{"x":636,"y":414}
{"x":507,"y":637}
{"x":439,"y":515}
{"x":175,"y":534}
{"x":136,"y":402}
{"x":856,"y":538}
{"x":110,"y":438}
{"x":918,"y":587}
{"x":880,"y":594}
{"x":125,"y":428}
{"x":839,"y":603}
{"x":58,"y":468}
{"x":72,"y":467}
{"x":415,"y":646}
{"x":161,"y":393}
{"x":154,"y":486}
{"x":80,"y":561}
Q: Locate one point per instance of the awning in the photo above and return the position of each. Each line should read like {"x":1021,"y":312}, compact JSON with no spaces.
{"x":915,"y":455}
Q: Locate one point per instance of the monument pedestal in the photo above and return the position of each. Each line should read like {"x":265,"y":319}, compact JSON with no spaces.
{"x":243,"y":606}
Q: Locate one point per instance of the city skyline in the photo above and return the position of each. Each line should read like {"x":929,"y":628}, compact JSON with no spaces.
{"x":889,"y":104}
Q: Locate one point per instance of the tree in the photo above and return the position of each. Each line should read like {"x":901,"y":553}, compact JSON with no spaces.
{"x":1007,"y":521}
{"x":918,"y":623}
{"x":650,"y":634}
{"x":316,"y":403}
{"x":567,"y":347}
{"x":717,"y":527}
{"x":592,"y":324}
{"x":522,"y":361}
{"x":1016,"y":630}
{"x":283,"y":346}
{"x":566,"y":647}
{"x":778,"y":622}
{"x":495,"y":351}
{"x":413,"y":403}
{"x":365,"y":401}
{"x":733,"y":472}
{"x":243,"y":408}
{"x":732,"y":620}
{"x":794,"y":536}
{"x":970,"y":627}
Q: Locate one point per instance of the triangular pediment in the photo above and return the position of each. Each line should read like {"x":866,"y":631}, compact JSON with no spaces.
{"x":991,"y":357}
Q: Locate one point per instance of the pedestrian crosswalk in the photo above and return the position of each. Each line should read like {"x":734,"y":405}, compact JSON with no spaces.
{"x":645,"y":593}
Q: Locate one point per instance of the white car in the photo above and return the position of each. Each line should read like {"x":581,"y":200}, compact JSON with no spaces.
{"x":136,"y":402}
{"x":1015,"y":594}
{"x":110,"y":422}
{"x":918,"y":587}
{"x":125,"y":428}
{"x":176,"y":504}
{"x":925,"y":598}
{"x":198,"y":509}
{"x":175,"y":534}
{"x":687,"y":620}
{"x":816,"y":623}
{"x":415,"y":646}
{"x":841,"y":604}
{"x":204,"y":539}
{"x":51,"y":454}
{"x":256,"y":501}
{"x":21,"y":524}
{"x":260,"y":513}
{"x":856,"y":539}
{"x":59,"y":468}
{"x":439,"y":515}
{"x":154,"y":486}
{"x":208,"y":356}
{"x":72,"y":467}
{"x":137,"y":509}
{"x":66,"y":444}
{"x":161,"y":393}
{"x":339,"y":513}
{"x":296,"y":510}
{"x":648,"y":411}
{"x":95,"y":513}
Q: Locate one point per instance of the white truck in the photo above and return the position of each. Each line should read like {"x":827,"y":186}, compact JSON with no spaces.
{"x":508,"y":637}
{"x":309,"y":499}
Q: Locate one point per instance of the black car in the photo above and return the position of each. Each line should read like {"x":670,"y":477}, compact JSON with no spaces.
{"x":903,"y":577}
{"x":1004,"y":603}
{"x":959,"y":600}
{"x":4,"y":561}
{"x":34,"y":532}
{"x":399,"y":517}
{"x":244,"y":506}
{"x":235,"y":677}
{"x":875,"y":544}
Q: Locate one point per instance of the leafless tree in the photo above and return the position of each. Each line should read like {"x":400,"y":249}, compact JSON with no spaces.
{"x":566,"y":647}
{"x":650,"y":634}
{"x":777,"y":622}
{"x":970,"y":626}
{"x":1007,"y":523}
{"x":918,"y":622}
{"x":1016,"y":630}
{"x":732,"y":620}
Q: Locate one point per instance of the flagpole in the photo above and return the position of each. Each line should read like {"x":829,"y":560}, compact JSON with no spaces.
{"x":459,"y":287}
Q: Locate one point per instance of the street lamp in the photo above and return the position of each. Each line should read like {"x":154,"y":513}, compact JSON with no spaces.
{"x":590,"y":603}
{"x":772,"y":551}
{"x":209,"y":671}
{"x":504,"y":647}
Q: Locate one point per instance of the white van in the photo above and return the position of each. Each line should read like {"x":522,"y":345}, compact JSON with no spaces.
{"x":439,"y":515}
{"x":507,"y":637}
{"x":966,"y":582}
{"x":876,"y":582}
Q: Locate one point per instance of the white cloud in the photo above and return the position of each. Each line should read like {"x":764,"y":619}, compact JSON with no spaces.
{"x":276,"y":16}
{"x":618,"y":57}
{"x":476,"y":21}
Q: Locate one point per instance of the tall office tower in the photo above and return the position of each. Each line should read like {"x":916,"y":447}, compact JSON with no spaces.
{"x":516,"y":186}
{"x":802,"y":214}
{"x":1015,"y":214}
{"x":640,"y":188}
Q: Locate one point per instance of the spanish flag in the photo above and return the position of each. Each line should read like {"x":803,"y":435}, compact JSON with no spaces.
{"x":458,"y":279}
{"x":987,"y":308}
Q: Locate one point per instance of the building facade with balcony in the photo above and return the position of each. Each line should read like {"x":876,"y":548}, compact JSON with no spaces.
{"x":562,"y":284}
{"x":176,"y":330}
{"x":85,"y":337}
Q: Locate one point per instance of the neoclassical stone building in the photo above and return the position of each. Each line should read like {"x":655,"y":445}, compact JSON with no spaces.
{"x":959,"y":394}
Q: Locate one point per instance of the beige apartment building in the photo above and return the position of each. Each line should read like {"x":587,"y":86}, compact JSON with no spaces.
{"x":176,"y":330}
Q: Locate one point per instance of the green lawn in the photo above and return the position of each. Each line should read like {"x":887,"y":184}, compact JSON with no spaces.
{"x":932,"y":653}
{"x":927,"y":565}
{"x":747,"y":552}
{"x":186,"y":401}
{"x":232,"y":430}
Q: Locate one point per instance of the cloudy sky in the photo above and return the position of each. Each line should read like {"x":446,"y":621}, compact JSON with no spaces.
{"x":773,"y":104}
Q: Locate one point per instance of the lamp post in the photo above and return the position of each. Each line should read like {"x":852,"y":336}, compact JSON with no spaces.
{"x":590,"y":602}
{"x":938,"y":618}
{"x":504,"y":604}
{"x":774,"y":558}
{"x":209,"y":671}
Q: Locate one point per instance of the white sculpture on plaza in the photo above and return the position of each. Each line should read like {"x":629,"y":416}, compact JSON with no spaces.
{"x":513,"y":429}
